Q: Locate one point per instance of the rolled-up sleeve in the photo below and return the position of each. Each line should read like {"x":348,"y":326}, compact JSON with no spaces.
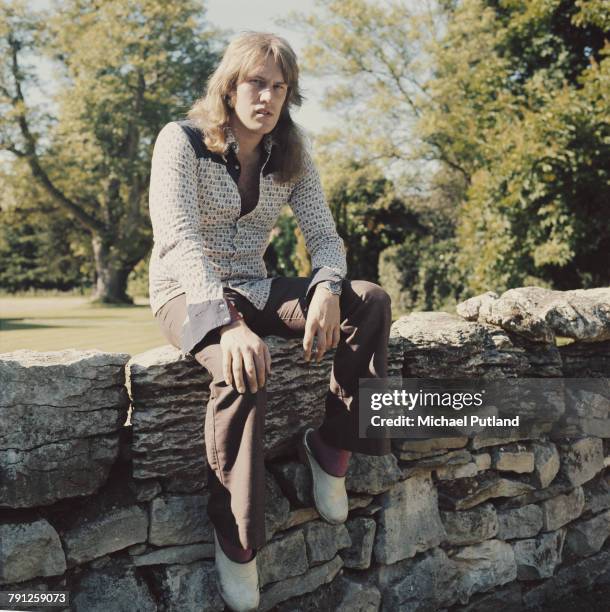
{"x":176,"y":222}
{"x":315,"y":220}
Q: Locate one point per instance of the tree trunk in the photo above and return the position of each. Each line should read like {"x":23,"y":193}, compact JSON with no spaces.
{"x":111,"y":273}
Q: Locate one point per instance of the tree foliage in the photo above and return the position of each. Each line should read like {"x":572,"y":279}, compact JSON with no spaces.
{"x":495,"y":109}
{"x":124,"y":69}
{"x":526,"y":112}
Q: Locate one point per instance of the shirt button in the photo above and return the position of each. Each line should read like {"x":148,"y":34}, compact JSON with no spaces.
{"x":236,"y":166}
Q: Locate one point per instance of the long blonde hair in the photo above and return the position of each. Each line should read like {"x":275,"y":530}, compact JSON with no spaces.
{"x":211,"y":112}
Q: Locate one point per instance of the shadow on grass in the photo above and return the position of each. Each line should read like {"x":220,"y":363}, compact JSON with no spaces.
{"x":17,"y":324}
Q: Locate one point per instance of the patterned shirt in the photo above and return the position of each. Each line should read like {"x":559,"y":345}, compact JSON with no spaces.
{"x":202,"y":242}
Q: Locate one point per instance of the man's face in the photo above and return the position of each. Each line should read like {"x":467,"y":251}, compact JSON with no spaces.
{"x":259,"y":97}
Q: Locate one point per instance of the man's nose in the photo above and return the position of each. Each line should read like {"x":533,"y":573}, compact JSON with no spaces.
{"x":265,"y":94}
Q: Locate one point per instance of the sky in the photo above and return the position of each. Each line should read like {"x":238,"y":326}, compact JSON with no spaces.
{"x":238,"y":15}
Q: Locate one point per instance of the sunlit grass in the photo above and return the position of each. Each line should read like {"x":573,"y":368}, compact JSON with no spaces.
{"x":51,"y":323}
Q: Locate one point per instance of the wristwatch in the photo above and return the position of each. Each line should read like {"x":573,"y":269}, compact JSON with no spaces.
{"x":333,"y":286}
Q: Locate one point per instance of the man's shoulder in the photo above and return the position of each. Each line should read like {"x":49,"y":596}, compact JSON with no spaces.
{"x":194,"y":135}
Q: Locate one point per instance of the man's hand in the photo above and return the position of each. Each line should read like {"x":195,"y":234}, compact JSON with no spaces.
{"x":243,"y":349}
{"x":323,"y":323}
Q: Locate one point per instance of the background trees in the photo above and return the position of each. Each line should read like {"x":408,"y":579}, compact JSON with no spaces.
{"x":492,"y":120}
{"x":123,"y":70}
{"x":472,"y":150}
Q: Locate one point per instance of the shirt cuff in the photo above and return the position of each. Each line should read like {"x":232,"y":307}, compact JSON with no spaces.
{"x":319,"y":275}
{"x":201,"y":319}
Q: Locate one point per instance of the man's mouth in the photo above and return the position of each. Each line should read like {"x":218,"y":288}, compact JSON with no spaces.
{"x":264,"y":113}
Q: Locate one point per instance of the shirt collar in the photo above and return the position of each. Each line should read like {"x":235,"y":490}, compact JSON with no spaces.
{"x":268,"y":141}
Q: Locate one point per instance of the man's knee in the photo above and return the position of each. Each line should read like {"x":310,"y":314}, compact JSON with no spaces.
{"x":372,"y":293}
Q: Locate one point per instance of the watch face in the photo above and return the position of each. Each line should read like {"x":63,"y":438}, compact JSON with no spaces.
{"x":334,"y":286}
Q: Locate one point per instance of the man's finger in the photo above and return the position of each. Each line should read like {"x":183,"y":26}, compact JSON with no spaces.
{"x":329,"y":339}
{"x":227,"y":360}
{"x":321,"y":336}
{"x":250,"y":368}
{"x":261,"y":366}
{"x":238,"y":373}
{"x":336,"y":336}
{"x":267,"y":360}
{"x":308,"y":341}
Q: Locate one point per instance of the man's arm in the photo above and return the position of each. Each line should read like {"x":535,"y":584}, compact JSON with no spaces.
{"x":175,"y":220}
{"x":315,"y":220}
{"x":328,"y":260}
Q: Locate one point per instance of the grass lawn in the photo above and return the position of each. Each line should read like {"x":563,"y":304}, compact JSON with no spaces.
{"x":53,"y":323}
{"x":50,"y":323}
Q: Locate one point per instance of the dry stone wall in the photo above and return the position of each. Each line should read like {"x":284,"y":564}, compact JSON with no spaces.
{"x":103,"y":485}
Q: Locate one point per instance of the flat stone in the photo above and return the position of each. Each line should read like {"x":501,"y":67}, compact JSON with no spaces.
{"x":451,"y":472}
{"x":277,"y":507}
{"x":118,"y":589}
{"x":503,"y":599}
{"x":466,"y":493}
{"x":534,"y":432}
{"x":371,"y":474}
{"x":597,"y":494}
{"x":470,"y":308}
{"x":29,"y":550}
{"x":523,"y":522}
{"x":435,"y":445}
{"x":536,"y":495}
{"x":323,"y":541}
{"x":299,"y":585}
{"x":169,"y":394}
{"x":540,"y":314}
{"x":513,"y":459}
{"x":443,"y":345}
{"x":580,"y":576}
{"x":429,"y":581}
{"x":560,"y":510}
{"x":587,"y":537}
{"x":581,"y":460}
{"x":146,"y":490}
{"x":174,"y":554}
{"x":585,"y":359}
{"x":179,"y":519}
{"x":298,"y":517}
{"x":470,"y":526}
{"x":187,"y":587}
{"x":343,"y":594}
{"x":482,"y":461}
{"x":454,"y":457}
{"x":409,"y":521}
{"x":67,"y":408}
{"x":137,"y":549}
{"x":484,"y":566}
{"x":362,"y":534}
{"x":538,"y":557}
{"x":114,"y":530}
{"x":282,"y":557}
{"x":294,"y":480}
{"x":546,"y":463}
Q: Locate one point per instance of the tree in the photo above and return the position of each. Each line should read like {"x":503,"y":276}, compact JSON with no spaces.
{"x":502,"y":103}
{"x":40,"y":247}
{"x":377,"y":57}
{"x":367,"y":211}
{"x":526,"y":111}
{"x":125,"y":69}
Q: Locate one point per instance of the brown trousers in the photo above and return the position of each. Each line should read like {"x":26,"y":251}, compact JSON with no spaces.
{"x":234,"y":422}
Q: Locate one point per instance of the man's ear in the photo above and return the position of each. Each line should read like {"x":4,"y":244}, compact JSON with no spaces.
{"x":230,"y":98}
